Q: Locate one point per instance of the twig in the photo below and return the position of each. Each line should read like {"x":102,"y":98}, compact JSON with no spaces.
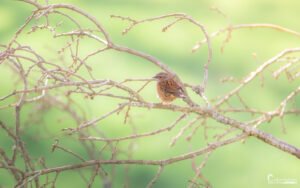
{"x":155,"y":178}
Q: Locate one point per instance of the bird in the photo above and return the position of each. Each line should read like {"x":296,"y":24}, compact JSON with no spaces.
{"x":168,"y":87}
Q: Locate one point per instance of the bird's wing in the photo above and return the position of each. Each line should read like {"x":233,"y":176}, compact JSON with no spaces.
{"x":175,"y":89}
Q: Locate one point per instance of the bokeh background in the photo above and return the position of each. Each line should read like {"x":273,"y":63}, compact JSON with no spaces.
{"x":238,"y":165}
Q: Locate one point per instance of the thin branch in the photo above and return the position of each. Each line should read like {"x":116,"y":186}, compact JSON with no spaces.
{"x":168,"y":128}
{"x":155,"y":178}
{"x":141,"y":162}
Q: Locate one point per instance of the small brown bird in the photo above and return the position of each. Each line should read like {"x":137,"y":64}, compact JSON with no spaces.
{"x":168,"y":89}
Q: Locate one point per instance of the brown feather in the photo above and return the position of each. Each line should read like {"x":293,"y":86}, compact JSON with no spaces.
{"x":167,"y":88}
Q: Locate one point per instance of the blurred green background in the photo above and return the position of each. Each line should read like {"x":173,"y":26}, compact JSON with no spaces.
{"x":238,"y":165}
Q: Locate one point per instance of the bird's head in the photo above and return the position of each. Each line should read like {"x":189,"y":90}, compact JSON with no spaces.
{"x":161,"y":76}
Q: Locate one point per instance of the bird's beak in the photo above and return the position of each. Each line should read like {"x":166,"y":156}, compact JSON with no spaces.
{"x":155,"y":77}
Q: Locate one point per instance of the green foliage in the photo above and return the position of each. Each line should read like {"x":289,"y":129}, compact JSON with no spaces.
{"x":238,"y":165}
